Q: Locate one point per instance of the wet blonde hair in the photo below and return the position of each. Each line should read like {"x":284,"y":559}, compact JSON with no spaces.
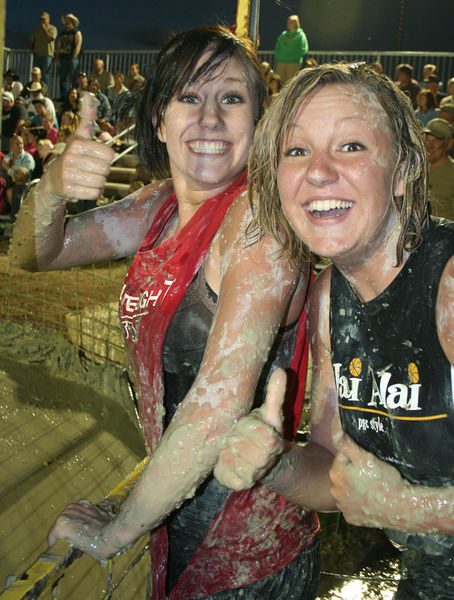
{"x":273,"y":129}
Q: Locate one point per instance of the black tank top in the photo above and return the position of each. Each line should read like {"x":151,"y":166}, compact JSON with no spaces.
{"x":67,"y":43}
{"x":393,"y":379}
{"x":394,"y":382}
{"x":182,"y":355}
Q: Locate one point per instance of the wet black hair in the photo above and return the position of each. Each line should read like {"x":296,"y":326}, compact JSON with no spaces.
{"x":174,"y":68}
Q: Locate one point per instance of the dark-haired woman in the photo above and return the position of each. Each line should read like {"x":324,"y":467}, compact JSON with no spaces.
{"x":70,"y":103}
{"x":206,"y":314}
{"x":425,"y":110}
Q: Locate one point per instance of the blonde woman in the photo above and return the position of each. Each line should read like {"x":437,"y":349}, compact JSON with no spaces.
{"x":339,"y":165}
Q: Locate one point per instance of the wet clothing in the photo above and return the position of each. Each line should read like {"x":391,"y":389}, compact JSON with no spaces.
{"x":297,"y":581}
{"x":229,"y":551}
{"x":394,"y":383}
{"x":426,"y":577}
{"x":183,"y":350}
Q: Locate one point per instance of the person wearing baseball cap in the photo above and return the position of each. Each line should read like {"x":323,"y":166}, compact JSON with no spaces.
{"x":42,"y":45}
{"x":13,"y":116}
{"x":69,"y":44}
{"x":438,"y":140}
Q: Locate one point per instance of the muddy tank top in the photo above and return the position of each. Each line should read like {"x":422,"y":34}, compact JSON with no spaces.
{"x":182,"y":355}
{"x":237,"y":551}
{"x":395,"y":386}
{"x":394,"y":382}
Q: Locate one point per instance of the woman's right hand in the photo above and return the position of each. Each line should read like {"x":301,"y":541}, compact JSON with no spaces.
{"x":84,"y":526}
{"x":80,"y":173}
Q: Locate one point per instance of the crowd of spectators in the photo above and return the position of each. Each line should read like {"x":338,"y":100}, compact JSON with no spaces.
{"x":36,"y":127}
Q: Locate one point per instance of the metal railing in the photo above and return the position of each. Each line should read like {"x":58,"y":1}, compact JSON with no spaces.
{"x":49,"y":568}
{"x":119,"y":60}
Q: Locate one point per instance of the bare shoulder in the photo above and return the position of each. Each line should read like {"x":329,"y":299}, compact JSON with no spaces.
{"x":445,"y":310}
{"x":149,"y":198}
{"x":234,"y":225}
{"x":239,"y":261}
{"x":235,"y":234}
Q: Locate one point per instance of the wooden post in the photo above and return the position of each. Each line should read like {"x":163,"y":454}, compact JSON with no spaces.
{"x":2,"y":46}
{"x":247,"y":19}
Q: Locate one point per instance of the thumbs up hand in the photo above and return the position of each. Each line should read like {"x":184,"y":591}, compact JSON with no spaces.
{"x":252,"y":447}
{"x":80,"y":172}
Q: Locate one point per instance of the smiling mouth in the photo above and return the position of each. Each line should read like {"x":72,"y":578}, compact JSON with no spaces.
{"x":207,"y":147}
{"x":329,"y":208}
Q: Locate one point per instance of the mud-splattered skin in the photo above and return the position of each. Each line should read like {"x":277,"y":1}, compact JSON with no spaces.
{"x":256,"y":291}
{"x":335,"y":185}
{"x":43,"y":240}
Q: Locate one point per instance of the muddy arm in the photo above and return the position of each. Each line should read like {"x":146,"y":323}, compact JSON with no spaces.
{"x":255,"y":291}
{"x":45,"y":239}
{"x":255,"y":451}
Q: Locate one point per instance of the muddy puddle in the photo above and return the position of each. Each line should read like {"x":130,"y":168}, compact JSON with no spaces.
{"x":61,"y":440}
{"x":357,"y":563}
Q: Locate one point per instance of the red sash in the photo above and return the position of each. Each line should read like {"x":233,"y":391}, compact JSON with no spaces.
{"x":154,"y":287}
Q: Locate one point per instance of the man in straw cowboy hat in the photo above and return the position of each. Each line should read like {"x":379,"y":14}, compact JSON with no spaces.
{"x":69,"y":44}
{"x":35,"y":92}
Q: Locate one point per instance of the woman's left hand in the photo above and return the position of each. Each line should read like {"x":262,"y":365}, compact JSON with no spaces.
{"x":364,"y":486}
{"x":84,"y":525}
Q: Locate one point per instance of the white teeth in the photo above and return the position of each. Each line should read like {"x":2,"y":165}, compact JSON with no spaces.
{"x":206,"y":147}
{"x":324,"y":205}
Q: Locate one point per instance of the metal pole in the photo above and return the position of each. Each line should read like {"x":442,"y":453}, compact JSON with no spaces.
{"x":254,"y":22}
{"x":243,"y":14}
{"x":400,"y":32}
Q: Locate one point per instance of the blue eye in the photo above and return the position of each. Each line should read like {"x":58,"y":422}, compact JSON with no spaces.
{"x":188,"y":99}
{"x":233,"y":99}
{"x":353,"y":147}
{"x":298,"y":151}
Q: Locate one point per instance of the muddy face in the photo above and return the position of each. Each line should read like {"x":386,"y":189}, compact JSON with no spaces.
{"x":208,"y":129}
{"x":335,"y":173}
